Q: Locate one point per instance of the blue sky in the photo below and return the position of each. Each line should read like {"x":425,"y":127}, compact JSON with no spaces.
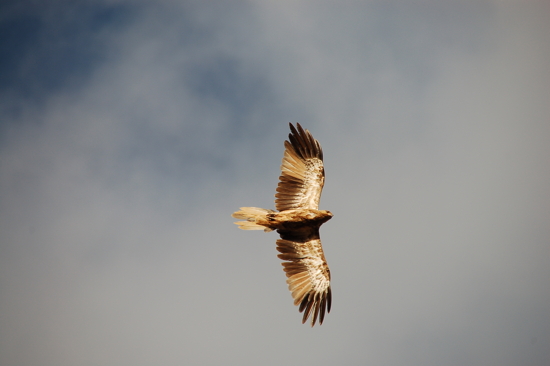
{"x":130,"y":131}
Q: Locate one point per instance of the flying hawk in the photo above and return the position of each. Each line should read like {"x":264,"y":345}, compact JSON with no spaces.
{"x":297,"y":222}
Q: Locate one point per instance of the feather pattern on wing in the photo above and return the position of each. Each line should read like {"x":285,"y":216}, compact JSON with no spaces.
{"x":298,"y":222}
{"x":308,"y":277}
{"x":302,"y":172}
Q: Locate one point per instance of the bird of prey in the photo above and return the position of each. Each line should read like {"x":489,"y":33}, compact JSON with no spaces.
{"x":297,"y":222}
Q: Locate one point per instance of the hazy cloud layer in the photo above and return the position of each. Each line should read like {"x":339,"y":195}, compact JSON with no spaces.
{"x":129,"y":133}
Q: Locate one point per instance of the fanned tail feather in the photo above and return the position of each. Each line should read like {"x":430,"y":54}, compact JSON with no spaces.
{"x":251,"y":215}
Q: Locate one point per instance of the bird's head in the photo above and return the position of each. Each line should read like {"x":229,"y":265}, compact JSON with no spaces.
{"x":326,"y":215}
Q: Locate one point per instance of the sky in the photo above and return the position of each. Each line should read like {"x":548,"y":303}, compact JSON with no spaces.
{"x":131,"y":130}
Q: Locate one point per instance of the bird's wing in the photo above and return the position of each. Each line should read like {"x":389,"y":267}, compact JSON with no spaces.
{"x":302,"y":172}
{"x":308,"y":277}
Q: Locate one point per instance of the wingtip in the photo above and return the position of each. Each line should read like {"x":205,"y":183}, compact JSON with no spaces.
{"x":293,"y":130}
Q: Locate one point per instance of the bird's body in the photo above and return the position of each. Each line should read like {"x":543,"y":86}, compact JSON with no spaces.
{"x":291,"y":224}
{"x":298,"y":222}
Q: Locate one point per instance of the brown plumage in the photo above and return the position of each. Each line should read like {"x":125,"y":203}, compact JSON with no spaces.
{"x":298,"y":222}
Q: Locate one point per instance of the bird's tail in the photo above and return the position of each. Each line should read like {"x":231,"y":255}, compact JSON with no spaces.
{"x":252,"y":215}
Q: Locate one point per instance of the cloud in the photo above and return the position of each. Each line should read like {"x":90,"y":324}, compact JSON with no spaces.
{"x":124,"y":156}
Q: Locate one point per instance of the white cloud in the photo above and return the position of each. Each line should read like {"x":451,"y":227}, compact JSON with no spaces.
{"x":117,"y":244}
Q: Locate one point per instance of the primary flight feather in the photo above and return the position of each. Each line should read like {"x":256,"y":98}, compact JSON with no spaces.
{"x":298,"y":222}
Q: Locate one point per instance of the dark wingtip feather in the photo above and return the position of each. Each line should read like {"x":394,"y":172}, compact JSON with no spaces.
{"x":303,"y":304}
{"x":316,"y":307}
{"x":307,"y":311}
{"x":305,"y":145}
{"x":329,"y":299}
{"x":305,"y":140}
{"x":309,"y":141}
{"x":322,"y":310}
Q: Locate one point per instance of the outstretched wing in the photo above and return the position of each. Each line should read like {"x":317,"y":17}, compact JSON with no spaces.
{"x":308,"y":277}
{"x":302,"y":172}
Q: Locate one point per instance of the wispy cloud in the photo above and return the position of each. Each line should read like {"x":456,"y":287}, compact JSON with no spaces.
{"x":130,"y":132}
